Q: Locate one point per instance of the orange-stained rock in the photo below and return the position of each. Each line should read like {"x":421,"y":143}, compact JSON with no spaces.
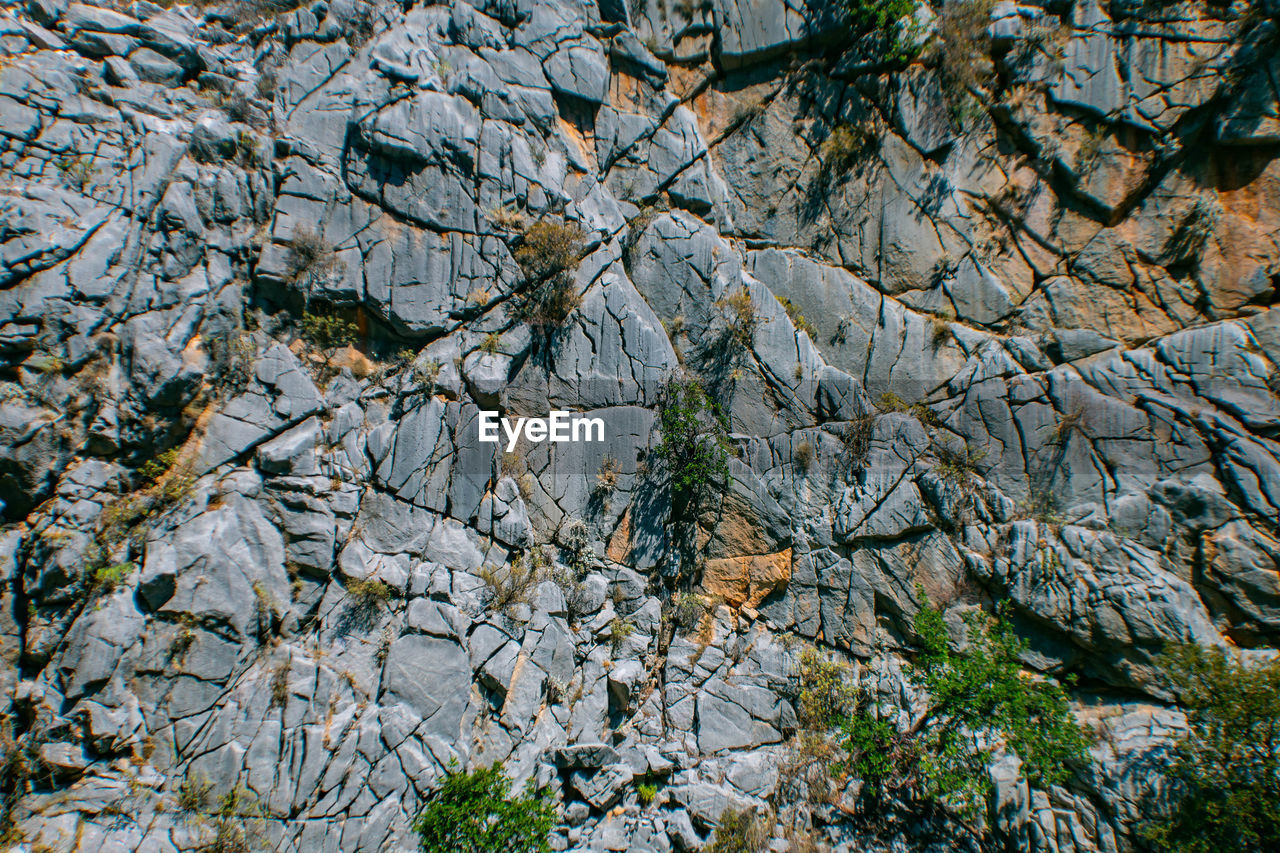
{"x":351,"y":358}
{"x":620,"y":543}
{"x":747,"y":581}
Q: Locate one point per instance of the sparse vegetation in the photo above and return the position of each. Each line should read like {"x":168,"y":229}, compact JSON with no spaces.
{"x":976,"y":698}
{"x":369,"y":593}
{"x":427,"y":373}
{"x":687,"y":610}
{"x":607,"y":477}
{"x":848,"y":145}
{"x":798,"y":319}
{"x":741,"y":832}
{"x":311,"y":257}
{"x":890,"y":23}
{"x":236,"y":820}
{"x":328,"y":332}
{"x":620,"y":630}
{"x":694,"y":443}
{"x":491,"y":343}
{"x":507,"y":217}
{"x":1187,"y":242}
{"x":107,"y":579}
{"x":510,"y":585}
{"x":194,"y":793}
{"x":958,"y":465}
{"x":1225,"y":779}
{"x":280,"y":685}
{"x":19,"y":760}
{"x":804,"y":455}
{"x":477,"y":812}
{"x":939,"y":332}
{"x":963,"y":53}
{"x":856,"y":437}
{"x":238,"y":825}
{"x":741,"y":314}
{"x":646,"y":792}
{"x":548,"y":255}
{"x":78,"y":171}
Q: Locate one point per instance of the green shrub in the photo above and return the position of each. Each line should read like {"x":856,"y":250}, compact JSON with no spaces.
{"x":647,"y":792}
{"x":741,"y":832}
{"x":984,"y":688}
{"x":477,"y":813}
{"x":327,"y":332}
{"x":687,"y":610}
{"x":958,"y":465}
{"x":193,"y":793}
{"x":512,"y":584}
{"x":109,"y":578}
{"x":620,"y":629}
{"x":973,"y":697}
{"x":79,"y":171}
{"x":694,"y":443}
{"x":1225,"y":779}
{"x":238,"y":825}
{"x":797,"y":319}
{"x":885,"y":23}
{"x":369,"y":592}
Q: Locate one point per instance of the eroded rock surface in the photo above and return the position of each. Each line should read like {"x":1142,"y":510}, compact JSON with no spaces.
{"x":1011,"y":348}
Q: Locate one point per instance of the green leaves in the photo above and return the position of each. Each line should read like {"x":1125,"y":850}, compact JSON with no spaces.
{"x":978,"y":703}
{"x":1225,"y":792}
{"x":891,"y":22}
{"x":984,"y":688}
{"x":693,"y":443}
{"x":477,"y":813}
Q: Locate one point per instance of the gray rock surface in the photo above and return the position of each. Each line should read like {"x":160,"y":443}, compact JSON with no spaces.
{"x":1006,"y":336}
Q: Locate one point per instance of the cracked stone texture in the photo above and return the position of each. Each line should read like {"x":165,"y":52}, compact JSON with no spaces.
{"x":1017,"y":348}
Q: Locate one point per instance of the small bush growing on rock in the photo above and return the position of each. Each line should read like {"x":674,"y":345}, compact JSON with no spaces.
{"x":888,"y":22}
{"x":369,"y":592}
{"x":980,"y":689}
{"x":193,"y":793}
{"x":607,"y":477}
{"x":327,"y":332}
{"x":507,"y":217}
{"x":107,"y":579}
{"x":687,"y":610}
{"x":310,"y":256}
{"x":19,"y":760}
{"x":741,"y":832}
{"x":964,"y":52}
{"x":804,"y":455}
{"x":797,"y":319}
{"x":958,"y":466}
{"x":238,"y":825}
{"x":1225,"y":778}
{"x":512,"y":584}
{"x":549,"y":253}
{"x":694,"y":443}
{"x":974,"y":698}
{"x":646,"y":793}
{"x":477,"y":812}
{"x":78,"y":172}
{"x":846,"y":146}
{"x":620,"y":630}
{"x":741,"y":313}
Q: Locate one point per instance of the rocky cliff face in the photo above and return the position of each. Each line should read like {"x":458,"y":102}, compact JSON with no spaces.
{"x":994,"y":326}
